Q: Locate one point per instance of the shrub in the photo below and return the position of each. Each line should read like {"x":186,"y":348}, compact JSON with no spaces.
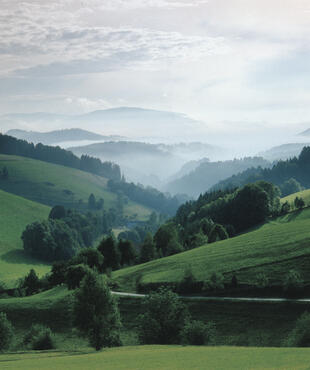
{"x":293,"y":283}
{"x":218,"y":232}
{"x":300,"y":335}
{"x":163,"y":318}
{"x":198,"y":333}
{"x":215,"y":282}
{"x":39,"y":337}
{"x":6,"y":332}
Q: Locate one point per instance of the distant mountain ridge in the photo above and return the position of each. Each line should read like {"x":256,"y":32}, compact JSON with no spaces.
{"x":124,"y":121}
{"x":58,"y":136}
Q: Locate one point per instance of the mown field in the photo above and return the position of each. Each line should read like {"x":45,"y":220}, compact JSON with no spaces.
{"x":53,"y":184}
{"x":273,"y":249}
{"x":15,"y":214}
{"x":164,"y":357}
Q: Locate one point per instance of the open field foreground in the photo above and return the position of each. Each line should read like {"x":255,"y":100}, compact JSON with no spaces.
{"x":163,"y":357}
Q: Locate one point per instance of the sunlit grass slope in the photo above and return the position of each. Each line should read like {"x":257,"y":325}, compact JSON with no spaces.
{"x":164,"y":358}
{"x":274,"y":248}
{"x":15,"y":214}
{"x":305,"y":194}
{"x":52,"y":184}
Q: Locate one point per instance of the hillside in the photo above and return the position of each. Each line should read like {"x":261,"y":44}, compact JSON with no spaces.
{"x":282,"y":171}
{"x":283,"y":152}
{"x":52,"y":184}
{"x":16,"y":213}
{"x":146,"y":163}
{"x":208,"y":174}
{"x":273,"y":248}
{"x":57,"y":136}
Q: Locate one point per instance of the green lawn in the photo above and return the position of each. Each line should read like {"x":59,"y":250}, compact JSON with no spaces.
{"x":163,"y":357}
{"x":273,"y":248}
{"x":15,"y":214}
{"x":49,"y":184}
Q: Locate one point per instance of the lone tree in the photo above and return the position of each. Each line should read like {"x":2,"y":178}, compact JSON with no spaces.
{"x":163,"y":318}
{"x":96,"y":313}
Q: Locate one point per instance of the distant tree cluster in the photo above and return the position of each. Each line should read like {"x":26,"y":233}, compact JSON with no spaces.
{"x":51,"y":154}
{"x":148,"y":196}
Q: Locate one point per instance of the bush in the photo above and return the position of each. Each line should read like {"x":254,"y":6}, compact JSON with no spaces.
{"x":6,"y":332}
{"x":292,"y":284}
{"x":198,"y":333}
{"x":163,"y":318}
{"x":300,"y":335}
{"x":215,"y":282}
{"x":39,"y":337}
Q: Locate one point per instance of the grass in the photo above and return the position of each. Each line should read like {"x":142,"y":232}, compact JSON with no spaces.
{"x":163,"y":357}
{"x":273,"y":248}
{"x":15,"y":214}
{"x":305,"y":194}
{"x":52,"y":184}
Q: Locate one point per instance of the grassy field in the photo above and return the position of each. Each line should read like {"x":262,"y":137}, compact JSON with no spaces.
{"x":15,"y":214}
{"x":273,"y":248}
{"x":51,"y":184}
{"x":163,"y":357}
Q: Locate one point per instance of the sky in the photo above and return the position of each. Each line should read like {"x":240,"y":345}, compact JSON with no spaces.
{"x":238,"y":64}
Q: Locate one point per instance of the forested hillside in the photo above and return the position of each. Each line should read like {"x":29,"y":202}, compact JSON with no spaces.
{"x":297,"y":168}
{"x":209,"y":173}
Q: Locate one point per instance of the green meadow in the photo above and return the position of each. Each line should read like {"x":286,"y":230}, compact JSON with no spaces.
{"x":163,"y":357}
{"x":53,"y":184}
{"x":273,"y":248}
{"x":15,"y":214}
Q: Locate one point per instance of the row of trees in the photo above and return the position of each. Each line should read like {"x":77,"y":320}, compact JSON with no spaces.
{"x":51,"y":154}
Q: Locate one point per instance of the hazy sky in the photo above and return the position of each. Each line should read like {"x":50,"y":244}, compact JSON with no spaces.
{"x":228,"y":62}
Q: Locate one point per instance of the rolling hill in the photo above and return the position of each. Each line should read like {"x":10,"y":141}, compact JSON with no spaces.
{"x":15,"y":214}
{"x":52,"y":184}
{"x":273,"y":248}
